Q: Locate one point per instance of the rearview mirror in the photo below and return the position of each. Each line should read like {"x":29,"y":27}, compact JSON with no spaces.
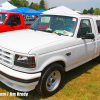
{"x":88,"y":36}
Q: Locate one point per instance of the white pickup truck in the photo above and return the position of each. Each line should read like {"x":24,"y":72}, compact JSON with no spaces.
{"x":38,"y":57}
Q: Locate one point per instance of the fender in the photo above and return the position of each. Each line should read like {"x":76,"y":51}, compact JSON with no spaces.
{"x":52,"y":59}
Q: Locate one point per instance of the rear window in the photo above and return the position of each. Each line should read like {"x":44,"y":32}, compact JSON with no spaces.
{"x":98,"y":25}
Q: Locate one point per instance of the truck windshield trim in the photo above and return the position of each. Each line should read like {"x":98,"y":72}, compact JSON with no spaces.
{"x":64,"y":25}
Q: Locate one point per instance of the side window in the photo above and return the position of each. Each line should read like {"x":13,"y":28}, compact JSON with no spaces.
{"x":98,"y":25}
{"x":13,"y":18}
{"x":85,"y":27}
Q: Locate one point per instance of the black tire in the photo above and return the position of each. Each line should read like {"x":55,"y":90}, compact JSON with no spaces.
{"x":51,"y":80}
{"x":97,"y":59}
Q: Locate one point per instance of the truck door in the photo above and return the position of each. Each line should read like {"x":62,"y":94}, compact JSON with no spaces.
{"x":6,"y":25}
{"x":97,"y":37}
{"x":17,"y":20}
{"x":85,"y":48}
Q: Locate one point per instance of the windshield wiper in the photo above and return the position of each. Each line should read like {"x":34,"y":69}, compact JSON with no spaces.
{"x":62,"y":34}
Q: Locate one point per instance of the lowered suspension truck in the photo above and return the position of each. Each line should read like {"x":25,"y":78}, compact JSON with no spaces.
{"x":38,"y":57}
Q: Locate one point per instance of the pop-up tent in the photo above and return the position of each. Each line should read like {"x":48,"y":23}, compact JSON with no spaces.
{"x":25,"y":10}
{"x":60,"y":10}
{"x":41,"y":10}
{"x":6,"y":6}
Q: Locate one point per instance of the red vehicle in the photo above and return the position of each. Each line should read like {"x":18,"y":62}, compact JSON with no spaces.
{"x":10,"y":21}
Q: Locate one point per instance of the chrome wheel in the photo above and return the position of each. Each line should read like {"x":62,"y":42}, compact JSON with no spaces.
{"x":53,"y":80}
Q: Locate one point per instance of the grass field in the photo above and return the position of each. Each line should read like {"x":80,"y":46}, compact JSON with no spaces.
{"x":82,"y":83}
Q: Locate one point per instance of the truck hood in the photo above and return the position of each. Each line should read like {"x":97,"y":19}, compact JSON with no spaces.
{"x":25,"y":40}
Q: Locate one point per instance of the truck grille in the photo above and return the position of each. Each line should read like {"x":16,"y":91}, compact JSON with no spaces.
{"x":6,"y":57}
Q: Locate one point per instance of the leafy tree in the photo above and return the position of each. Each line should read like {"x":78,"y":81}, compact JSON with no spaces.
{"x":85,"y":11}
{"x":35,"y":6}
{"x":31,"y":5}
{"x":91,"y":10}
{"x":19,"y":3}
{"x":15,"y":2}
{"x":97,"y":11}
{"x":52,"y":8}
{"x":24,"y":3}
{"x":42,"y":4}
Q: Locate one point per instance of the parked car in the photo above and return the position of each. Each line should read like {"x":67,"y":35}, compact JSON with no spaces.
{"x":30,"y":18}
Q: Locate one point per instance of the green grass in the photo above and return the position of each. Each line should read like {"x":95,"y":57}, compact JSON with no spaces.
{"x":81,"y":83}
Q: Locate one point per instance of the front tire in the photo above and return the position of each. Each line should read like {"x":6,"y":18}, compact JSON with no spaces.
{"x":51,"y":80}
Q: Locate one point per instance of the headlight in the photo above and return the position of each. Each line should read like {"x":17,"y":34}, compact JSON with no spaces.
{"x":24,"y":61}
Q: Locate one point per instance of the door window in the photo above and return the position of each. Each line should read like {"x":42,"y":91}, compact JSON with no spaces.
{"x":98,"y":25}
{"x":12,"y":19}
{"x":85,"y":27}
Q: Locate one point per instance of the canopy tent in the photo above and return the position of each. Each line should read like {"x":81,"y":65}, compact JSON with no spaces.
{"x":41,"y":10}
{"x":25,"y":10}
{"x":60,"y":10}
{"x":6,"y":6}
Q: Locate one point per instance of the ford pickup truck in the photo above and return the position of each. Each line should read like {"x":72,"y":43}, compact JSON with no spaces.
{"x":38,"y":57}
{"x":10,"y":21}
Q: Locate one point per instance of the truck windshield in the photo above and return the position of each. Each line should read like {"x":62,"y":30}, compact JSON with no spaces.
{"x":63,"y":25}
{"x":2,"y":17}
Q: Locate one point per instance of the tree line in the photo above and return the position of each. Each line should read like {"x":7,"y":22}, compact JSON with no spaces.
{"x":32,"y":5}
{"x":44,"y":5}
{"x":92,"y":11}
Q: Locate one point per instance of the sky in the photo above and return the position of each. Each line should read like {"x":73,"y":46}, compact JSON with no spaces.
{"x":78,"y":5}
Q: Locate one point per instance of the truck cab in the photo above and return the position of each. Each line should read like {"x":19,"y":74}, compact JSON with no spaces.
{"x":11,"y":21}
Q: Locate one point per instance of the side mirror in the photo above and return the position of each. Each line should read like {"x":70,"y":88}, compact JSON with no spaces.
{"x":88,"y":36}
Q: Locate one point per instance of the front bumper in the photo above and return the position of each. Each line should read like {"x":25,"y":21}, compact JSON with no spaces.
{"x":18,"y":80}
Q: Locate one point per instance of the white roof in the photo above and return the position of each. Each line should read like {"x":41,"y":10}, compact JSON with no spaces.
{"x":76,"y":15}
{"x":60,"y":10}
{"x":6,"y":6}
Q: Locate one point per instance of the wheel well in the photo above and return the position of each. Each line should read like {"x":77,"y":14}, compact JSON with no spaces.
{"x":59,"y":62}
